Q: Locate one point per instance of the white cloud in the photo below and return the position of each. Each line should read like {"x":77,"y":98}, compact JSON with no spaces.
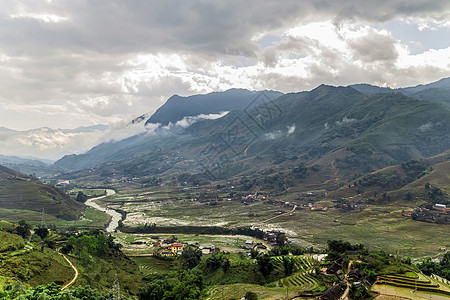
{"x":291,"y":129}
{"x":70,"y":63}
{"x":189,"y":120}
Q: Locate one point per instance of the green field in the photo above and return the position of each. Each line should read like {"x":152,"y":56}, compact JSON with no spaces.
{"x":34,"y":267}
{"x":419,"y":286}
{"x":379,"y":227}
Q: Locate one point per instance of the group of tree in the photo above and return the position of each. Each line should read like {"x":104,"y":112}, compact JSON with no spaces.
{"x":81,"y":197}
{"x":441,"y":268}
{"x":96,"y":244}
{"x":187,"y":284}
{"x":52,"y":291}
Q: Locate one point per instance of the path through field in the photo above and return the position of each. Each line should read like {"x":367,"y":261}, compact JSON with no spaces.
{"x":289,"y":212}
{"x":347,"y":290}
{"x":74,"y":268}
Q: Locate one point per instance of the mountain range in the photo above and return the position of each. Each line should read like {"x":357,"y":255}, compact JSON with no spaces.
{"x":366,"y":127}
{"x":176,"y":107}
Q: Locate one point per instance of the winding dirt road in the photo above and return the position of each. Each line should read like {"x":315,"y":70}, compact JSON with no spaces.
{"x":74,"y":268}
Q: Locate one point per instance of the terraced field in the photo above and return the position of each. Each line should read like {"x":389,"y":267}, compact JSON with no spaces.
{"x":302,"y":278}
{"x":415,"y":283}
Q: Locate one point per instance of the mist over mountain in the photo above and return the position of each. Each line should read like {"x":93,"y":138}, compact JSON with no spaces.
{"x":375,"y":131}
{"x":176,"y":107}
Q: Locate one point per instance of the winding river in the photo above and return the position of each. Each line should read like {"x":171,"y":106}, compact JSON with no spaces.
{"x":115,"y":216}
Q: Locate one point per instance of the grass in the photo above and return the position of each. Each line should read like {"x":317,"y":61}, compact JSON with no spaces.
{"x":88,"y":192}
{"x":89,"y":218}
{"x":379,"y":227}
{"x":421,"y":286}
{"x":10,"y":242}
{"x":237,"y":291}
{"x":151,"y":265}
{"x":228,"y":243}
{"x":31,"y":197}
{"x":102,"y":273}
{"x":35,"y":267}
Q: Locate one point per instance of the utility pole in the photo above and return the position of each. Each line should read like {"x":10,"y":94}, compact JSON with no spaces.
{"x":43,"y":218}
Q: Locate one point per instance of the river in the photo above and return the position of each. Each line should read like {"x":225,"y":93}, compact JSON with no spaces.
{"x":115,"y":216}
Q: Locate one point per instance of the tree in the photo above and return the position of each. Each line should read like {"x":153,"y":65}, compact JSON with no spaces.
{"x":81,"y":197}
{"x":288,"y":265}
{"x":251,"y":296}
{"x":281,"y":238}
{"x":191,"y":257}
{"x":42,"y":232}
{"x":226,"y":265}
{"x":214,"y":262}
{"x":49,"y":243}
{"x":23,"y":229}
{"x":188,"y":287}
{"x":265,"y":264}
{"x":154,"y":290}
{"x":445,"y":261}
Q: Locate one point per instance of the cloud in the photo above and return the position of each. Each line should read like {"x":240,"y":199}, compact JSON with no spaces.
{"x":273,"y":135}
{"x":291,"y":129}
{"x":189,"y":120}
{"x":105,"y":61}
{"x":374,"y":46}
{"x":345,"y":120}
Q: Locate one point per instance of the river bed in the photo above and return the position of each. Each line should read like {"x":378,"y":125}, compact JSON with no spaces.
{"x":115,"y":216}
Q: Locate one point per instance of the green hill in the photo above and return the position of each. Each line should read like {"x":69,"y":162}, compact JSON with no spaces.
{"x":24,"y":197}
{"x":375,"y":132}
{"x":177,"y":107}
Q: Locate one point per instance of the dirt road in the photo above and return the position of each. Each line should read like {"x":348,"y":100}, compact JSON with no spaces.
{"x":74,"y":268}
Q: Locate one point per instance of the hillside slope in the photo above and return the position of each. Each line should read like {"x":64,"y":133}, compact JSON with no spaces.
{"x":376,"y":131}
{"x":177,"y":107}
{"x":21,"y":194}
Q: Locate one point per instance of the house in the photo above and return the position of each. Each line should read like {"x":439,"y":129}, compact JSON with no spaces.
{"x":333,"y":293}
{"x":249,"y":242}
{"x":246,"y":247}
{"x":319,"y":208}
{"x":208,"y":249}
{"x":166,"y":252}
{"x":333,"y":269}
{"x":176,"y":248}
{"x":354,"y":275}
{"x":261,"y":246}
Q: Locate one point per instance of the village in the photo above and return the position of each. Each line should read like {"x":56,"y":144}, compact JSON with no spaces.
{"x":439,"y":213}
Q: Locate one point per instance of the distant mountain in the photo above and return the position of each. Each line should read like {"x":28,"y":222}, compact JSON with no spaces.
{"x":31,"y":161}
{"x":4,"y":129}
{"x":22,"y":195}
{"x":436,"y":95}
{"x":368,"y":89}
{"x":437,"y":92}
{"x":93,"y":128}
{"x":48,"y":143}
{"x":373,"y":132}
{"x":176,"y":108}
{"x":443,"y":84}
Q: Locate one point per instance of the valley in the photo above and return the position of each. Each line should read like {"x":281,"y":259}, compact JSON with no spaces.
{"x":333,"y":191}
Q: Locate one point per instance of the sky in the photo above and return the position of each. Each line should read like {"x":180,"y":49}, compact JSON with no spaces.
{"x":65,"y":64}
